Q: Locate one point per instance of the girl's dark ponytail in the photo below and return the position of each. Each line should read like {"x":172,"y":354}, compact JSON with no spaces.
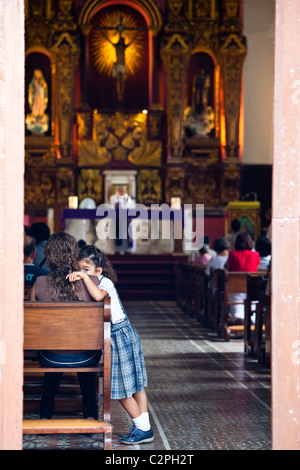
{"x":98,"y":258}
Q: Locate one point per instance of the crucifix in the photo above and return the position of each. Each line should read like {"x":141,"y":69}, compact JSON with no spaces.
{"x":119,"y":66}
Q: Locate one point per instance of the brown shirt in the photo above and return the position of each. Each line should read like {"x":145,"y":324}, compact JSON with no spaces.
{"x":45,"y":294}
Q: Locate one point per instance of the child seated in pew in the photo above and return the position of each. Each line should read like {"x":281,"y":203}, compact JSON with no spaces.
{"x":128,"y":372}
{"x":61,"y":252}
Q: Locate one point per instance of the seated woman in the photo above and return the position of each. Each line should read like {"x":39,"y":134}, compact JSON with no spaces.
{"x":61,"y":252}
{"x":242,"y":259}
{"x":263,"y":247}
{"x":203,"y":257}
{"x":221,"y":247}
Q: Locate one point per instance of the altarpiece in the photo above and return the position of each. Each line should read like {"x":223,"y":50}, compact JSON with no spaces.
{"x":146,"y":88}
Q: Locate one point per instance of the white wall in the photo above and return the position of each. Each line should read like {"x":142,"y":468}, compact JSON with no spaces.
{"x":259,"y":81}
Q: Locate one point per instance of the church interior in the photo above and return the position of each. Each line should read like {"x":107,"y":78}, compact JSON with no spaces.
{"x":155,"y":97}
{"x":174,"y":130}
{"x":158,"y":102}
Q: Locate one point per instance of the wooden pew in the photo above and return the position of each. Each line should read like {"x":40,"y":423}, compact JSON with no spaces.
{"x":192,"y":290}
{"x":190,"y":283}
{"x":267,"y":317}
{"x":180,"y":271}
{"x":254,"y":307}
{"x":215,"y":283}
{"x":229,"y":282}
{"x":201,"y":296}
{"x":234,"y":283}
{"x":70,"y":326}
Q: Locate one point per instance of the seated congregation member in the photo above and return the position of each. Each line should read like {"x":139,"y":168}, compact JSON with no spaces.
{"x":242,"y":259}
{"x":41,"y":232}
{"x":221,"y":247}
{"x":203,"y":257}
{"x":61,"y":253}
{"x":231,"y":236}
{"x":263,"y":247}
{"x":31,"y":272}
{"x":206,"y":241}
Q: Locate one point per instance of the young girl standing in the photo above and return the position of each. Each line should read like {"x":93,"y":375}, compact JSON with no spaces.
{"x":128,"y":372}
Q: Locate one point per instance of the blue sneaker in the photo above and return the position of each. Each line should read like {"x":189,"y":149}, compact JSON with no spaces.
{"x":125,"y":435}
{"x":137,"y":436}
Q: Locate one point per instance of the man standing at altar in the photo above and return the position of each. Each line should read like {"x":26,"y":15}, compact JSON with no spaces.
{"x":122,"y":201}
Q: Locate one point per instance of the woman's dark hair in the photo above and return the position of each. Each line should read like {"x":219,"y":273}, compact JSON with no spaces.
{"x":220,"y":245}
{"x":263,"y":246}
{"x":98,"y":258}
{"x":244,"y":241}
{"x":203,"y":250}
{"x":61,"y":252}
{"x":81,"y":243}
{"x":235,"y":225}
{"x":40,"y":231}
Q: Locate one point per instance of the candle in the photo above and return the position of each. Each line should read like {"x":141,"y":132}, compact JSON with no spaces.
{"x":73,"y":202}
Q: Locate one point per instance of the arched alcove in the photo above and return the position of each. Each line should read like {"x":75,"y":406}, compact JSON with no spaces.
{"x":147,"y":8}
{"x":38,"y":77}
{"x":202,"y":91}
{"x":146,"y":16}
{"x":109,"y":57}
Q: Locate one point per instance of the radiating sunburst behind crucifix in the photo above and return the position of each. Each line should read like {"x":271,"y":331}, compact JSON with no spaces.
{"x":117,"y":44}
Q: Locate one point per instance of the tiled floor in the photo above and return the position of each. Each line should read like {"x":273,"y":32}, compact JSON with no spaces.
{"x":203,"y":393}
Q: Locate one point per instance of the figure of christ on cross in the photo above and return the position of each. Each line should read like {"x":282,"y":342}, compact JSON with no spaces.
{"x":119,"y":66}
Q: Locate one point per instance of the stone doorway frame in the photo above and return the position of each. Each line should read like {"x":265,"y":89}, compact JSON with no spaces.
{"x":285,"y":227}
{"x":12,"y":145}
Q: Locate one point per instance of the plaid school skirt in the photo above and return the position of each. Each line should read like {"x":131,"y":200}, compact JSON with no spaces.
{"x":128,"y":371}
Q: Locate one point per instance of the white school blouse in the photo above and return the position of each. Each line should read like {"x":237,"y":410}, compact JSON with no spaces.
{"x":117,"y":309}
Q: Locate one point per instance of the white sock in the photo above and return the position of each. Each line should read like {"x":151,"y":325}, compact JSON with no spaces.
{"x":142,"y":422}
{"x":147,"y":420}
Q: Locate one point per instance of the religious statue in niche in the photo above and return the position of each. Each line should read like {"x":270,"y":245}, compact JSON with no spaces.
{"x":199,"y":119}
{"x":121,"y":56}
{"x":37,"y":121}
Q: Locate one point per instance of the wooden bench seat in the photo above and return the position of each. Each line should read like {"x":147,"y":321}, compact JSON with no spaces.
{"x":36,"y":367}
{"x":65,"y":426}
{"x":66,"y":326}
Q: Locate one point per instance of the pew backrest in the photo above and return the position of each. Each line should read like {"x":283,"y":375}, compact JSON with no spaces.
{"x":65,"y":325}
{"x":236,"y":282}
{"x":70,"y":326}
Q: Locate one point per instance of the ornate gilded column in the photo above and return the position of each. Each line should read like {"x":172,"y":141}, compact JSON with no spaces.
{"x":232,"y":52}
{"x":85,"y":29}
{"x":175,"y":53}
{"x":66,"y":54}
